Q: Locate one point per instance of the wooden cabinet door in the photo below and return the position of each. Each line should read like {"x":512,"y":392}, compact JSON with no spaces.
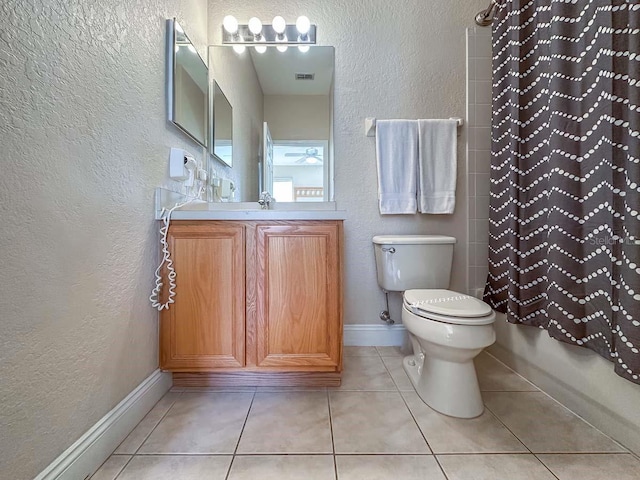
{"x":298,"y":296}
{"x":205,"y":327}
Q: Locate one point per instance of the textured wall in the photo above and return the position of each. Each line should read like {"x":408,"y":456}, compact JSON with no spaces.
{"x":393,"y":60}
{"x":84,"y":143}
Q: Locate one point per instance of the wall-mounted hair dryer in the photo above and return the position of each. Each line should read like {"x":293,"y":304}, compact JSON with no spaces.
{"x":181,"y":163}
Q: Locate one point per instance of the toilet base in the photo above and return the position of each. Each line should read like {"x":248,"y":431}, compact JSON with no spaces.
{"x":448,"y":387}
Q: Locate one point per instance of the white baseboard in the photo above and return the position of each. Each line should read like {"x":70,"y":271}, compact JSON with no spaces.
{"x":365,"y":335}
{"x":85,"y":456}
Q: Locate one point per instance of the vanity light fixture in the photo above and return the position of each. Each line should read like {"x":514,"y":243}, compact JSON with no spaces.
{"x":303,"y":25}
{"x":255,"y":27}
{"x":279,"y":25}
{"x":230,"y":24}
{"x":279,"y":34}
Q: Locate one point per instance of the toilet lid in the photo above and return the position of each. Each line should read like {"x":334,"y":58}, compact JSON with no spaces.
{"x":446,"y":303}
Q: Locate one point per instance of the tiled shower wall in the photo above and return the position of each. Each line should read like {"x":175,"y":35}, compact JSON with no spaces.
{"x":478,"y":152}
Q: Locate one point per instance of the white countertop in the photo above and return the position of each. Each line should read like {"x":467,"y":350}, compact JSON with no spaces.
{"x":258,"y":215}
{"x":199,"y":210}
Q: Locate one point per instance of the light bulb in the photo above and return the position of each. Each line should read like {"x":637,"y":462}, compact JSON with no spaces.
{"x":282,"y":48}
{"x":230,"y":24}
{"x":279,"y":24}
{"x":255,"y":25}
{"x":239,"y":49}
{"x":303,"y":25}
{"x":261,"y":48}
{"x":303,"y":48}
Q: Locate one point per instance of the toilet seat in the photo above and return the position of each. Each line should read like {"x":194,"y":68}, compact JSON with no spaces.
{"x":448,"y":306}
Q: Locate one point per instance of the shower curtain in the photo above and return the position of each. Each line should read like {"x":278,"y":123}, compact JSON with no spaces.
{"x":564,"y":248}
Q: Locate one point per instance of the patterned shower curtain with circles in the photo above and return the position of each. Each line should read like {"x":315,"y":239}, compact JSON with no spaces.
{"x":564,"y":248}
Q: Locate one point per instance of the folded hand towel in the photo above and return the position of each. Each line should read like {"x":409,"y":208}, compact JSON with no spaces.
{"x":437,"y":166}
{"x":397,"y":158}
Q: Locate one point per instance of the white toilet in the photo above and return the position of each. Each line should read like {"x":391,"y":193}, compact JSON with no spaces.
{"x":447,"y":329}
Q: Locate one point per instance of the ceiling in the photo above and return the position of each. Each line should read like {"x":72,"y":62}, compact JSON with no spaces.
{"x":276,"y":70}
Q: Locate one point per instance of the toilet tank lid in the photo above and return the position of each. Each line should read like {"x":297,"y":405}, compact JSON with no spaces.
{"x":413,"y":239}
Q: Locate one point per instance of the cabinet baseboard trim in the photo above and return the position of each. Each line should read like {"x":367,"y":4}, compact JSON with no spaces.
{"x":257,"y":379}
{"x":365,"y":335}
{"x":85,"y":456}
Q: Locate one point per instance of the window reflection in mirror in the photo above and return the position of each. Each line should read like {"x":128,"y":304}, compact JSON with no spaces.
{"x":302,"y":164}
{"x":222,"y":126}
{"x":188,"y":89}
{"x":293,"y":92}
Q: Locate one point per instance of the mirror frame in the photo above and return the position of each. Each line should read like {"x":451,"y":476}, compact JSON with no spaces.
{"x":212,"y":122}
{"x":171,"y":83}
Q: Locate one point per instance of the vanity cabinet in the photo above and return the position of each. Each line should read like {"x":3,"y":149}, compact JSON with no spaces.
{"x":257,"y":303}
{"x":205,"y":327}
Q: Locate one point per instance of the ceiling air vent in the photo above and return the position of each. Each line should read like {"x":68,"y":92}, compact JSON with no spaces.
{"x":305,"y":76}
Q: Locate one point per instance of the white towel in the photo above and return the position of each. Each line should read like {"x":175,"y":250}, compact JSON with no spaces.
{"x":437,"y":165}
{"x":397,"y":156}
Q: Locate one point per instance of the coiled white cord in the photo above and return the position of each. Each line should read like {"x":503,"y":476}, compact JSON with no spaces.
{"x":154,"y":298}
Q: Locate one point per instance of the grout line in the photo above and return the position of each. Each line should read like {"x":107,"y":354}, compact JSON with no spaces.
{"x":512,"y":370}
{"x":626,"y":450}
{"x":246,"y":419}
{"x":518,"y":438}
{"x":404,"y":400}
{"x":119,"y":471}
{"x":440,"y":466}
{"x":392,"y":379}
{"x":159,"y":421}
{"x":333,"y":444}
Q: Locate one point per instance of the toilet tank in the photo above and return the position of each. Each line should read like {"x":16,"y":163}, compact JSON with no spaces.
{"x":404,"y":262}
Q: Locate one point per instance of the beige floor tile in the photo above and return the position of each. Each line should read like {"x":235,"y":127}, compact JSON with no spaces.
{"x":494,"y":467}
{"x":484,"y":434}
{"x":169,"y":467}
{"x":390,"y":351}
{"x":399,"y":376}
{"x":545,"y":426}
{"x":365,"y":373}
{"x":388,"y":467}
{"x":132,"y":443}
{"x":593,"y":466}
{"x":374,"y":422}
{"x":201,"y":423}
{"x":111,"y":468}
{"x":360,"y":352}
{"x":495,"y":376}
{"x":293,"y":422}
{"x":283,"y":467}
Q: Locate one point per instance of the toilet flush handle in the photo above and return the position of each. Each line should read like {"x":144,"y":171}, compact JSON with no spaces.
{"x":389,"y":249}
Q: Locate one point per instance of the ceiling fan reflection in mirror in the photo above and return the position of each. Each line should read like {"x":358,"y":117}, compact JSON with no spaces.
{"x":310,"y":156}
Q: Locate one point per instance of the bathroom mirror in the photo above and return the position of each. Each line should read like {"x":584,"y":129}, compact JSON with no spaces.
{"x":221,"y":126}
{"x":187,"y":84}
{"x":293,"y":92}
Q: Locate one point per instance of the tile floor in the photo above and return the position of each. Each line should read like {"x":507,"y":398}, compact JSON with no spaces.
{"x":373,"y":427}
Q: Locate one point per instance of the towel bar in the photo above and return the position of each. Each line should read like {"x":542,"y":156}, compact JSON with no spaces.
{"x":370,"y":125}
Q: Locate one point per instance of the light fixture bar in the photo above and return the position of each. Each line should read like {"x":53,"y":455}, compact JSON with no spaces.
{"x":269,"y":36}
